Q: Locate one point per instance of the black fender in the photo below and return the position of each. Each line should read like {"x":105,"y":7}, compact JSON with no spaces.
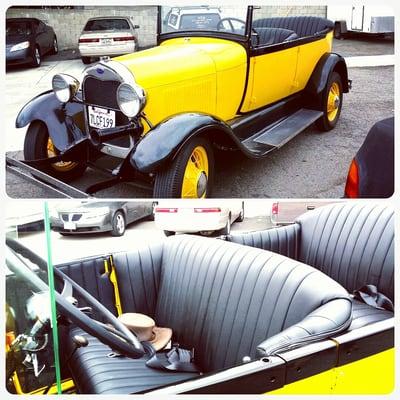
{"x":328,"y":63}
{"x":164,"y":141}
{"x":65,"y":122}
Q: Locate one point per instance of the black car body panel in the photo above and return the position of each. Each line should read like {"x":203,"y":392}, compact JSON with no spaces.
{"x":375,"y":160}
{"x":65,"y":122}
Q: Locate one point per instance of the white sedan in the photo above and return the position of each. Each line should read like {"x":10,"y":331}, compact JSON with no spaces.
{"x":202,"y":216}
{"x":107,"y":36}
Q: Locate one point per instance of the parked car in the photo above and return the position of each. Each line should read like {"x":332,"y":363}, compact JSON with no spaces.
{"x":202,"y":216}
{"x":107,"y":36}
{"x":247,"y":320}
{"x":371,"y":172}
{"x":286,"y":212}
{"x":28,"y":40}
{"x":170,"y":106}
{"x":191,"y":18}
{"x":98,"y":216}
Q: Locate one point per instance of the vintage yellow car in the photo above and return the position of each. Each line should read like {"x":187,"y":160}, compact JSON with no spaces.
{"x":226,"y":79}
{"x":309,"y":312}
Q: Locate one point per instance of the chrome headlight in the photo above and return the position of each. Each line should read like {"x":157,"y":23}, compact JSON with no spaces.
{"x":64,"y":87}
{"x":131,"y":99}
{"x":20,"y":46}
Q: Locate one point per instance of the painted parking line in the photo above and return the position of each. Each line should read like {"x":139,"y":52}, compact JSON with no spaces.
{"x":370,"y":61}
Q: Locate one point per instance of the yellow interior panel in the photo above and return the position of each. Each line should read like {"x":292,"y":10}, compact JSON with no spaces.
{"x":370,"y":375}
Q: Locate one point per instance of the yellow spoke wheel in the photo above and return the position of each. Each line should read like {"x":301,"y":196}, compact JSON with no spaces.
{"x":189,"y":174}
{"x":333,"y":103}
{"x":194,"y":183}
{"x":60,"y":165}
{"x":38,"y":146}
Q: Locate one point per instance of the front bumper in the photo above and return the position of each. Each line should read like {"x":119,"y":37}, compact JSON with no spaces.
{"x":18,"y":57}
{"x":190,"y":222}
{"x":86,"y":225}
{"x":94,"y":50}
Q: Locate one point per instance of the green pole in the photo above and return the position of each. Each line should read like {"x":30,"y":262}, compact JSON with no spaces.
{"x":52,"y":298}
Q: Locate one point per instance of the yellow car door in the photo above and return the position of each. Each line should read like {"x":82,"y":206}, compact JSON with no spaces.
{"x":271,"y":76}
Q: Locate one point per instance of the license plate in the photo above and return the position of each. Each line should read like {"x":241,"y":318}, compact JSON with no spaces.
{"x":70,"y":225}
{"x":101,"y":118}
{"x":105,"y":41}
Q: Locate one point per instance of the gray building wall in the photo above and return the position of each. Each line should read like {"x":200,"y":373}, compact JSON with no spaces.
{"x":68,"y":23}
{"x":288,"y":11}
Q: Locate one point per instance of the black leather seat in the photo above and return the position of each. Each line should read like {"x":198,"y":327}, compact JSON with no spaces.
{"x":95,"y":372}
{"x":303,"y":26}
{"x":268,"y":36}
{"x":224,"y":300}
{"x":352,"y":243}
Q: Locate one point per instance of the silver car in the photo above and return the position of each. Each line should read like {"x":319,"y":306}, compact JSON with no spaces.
{"x":98,"y":216}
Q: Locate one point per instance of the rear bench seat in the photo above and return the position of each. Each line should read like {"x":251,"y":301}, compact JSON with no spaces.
{"x":224,"y":300}
{"x":269,"y":36}
{"x":303,"y":26}
{"x":351,"y":243}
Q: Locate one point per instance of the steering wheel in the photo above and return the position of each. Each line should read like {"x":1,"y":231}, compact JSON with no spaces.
{"x":220,"y":25}
{"x":117,"y":336}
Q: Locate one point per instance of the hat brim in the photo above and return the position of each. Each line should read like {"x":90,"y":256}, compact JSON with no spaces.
{"x":162,"y":336}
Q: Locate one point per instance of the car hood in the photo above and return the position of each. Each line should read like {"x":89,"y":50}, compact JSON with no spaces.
{"x":15,"y":39}
{"x":82,"y":208}
{"x":182,"y":59}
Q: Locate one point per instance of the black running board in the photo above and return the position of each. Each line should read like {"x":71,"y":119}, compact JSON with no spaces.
{"x":275,"y":136}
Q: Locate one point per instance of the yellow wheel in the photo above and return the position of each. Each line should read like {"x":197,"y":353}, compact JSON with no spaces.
{"x":61,"y":165}
{"x":189,"y":175}
{"x":38,"y":145}
{"x":331,"y":103}
{"x":194,"y":183}
{"x":332,"y":107}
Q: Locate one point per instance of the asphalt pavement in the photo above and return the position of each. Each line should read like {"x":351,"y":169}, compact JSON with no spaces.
{"x":313,"y":165}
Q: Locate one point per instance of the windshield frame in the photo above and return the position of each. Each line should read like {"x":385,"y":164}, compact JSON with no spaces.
{"x":242,"y":39}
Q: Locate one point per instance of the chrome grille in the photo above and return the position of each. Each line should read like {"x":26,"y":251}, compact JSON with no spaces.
{"x":71,"y":217}
{"x":100,"y":93}
{"x":103,"y":93}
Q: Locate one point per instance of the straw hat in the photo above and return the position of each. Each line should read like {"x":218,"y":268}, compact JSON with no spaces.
{"x":145,"y":329}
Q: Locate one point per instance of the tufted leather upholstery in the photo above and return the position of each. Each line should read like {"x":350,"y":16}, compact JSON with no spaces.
{"x":268,"y":36}
{"x":225,"y":300}
{"x":233,"y":298}
{"x":283,"y":240}
{"x":302,"y":26}
{"x":91,"y":275}
{"x":138,"y":273}
{"x":95,"y":373}
{"x":350,"y":242}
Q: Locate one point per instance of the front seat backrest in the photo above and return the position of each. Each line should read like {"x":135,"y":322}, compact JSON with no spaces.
{"x":225,"y":299}
{"x":352,"y":243}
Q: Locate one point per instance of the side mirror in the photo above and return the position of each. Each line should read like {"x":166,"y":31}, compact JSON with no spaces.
{"x":136,"y":26}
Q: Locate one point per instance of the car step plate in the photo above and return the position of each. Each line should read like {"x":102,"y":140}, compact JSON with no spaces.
{"x":288,"y":128}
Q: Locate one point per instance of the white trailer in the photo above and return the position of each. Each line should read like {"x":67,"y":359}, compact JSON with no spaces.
{"x":363,"y":19}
